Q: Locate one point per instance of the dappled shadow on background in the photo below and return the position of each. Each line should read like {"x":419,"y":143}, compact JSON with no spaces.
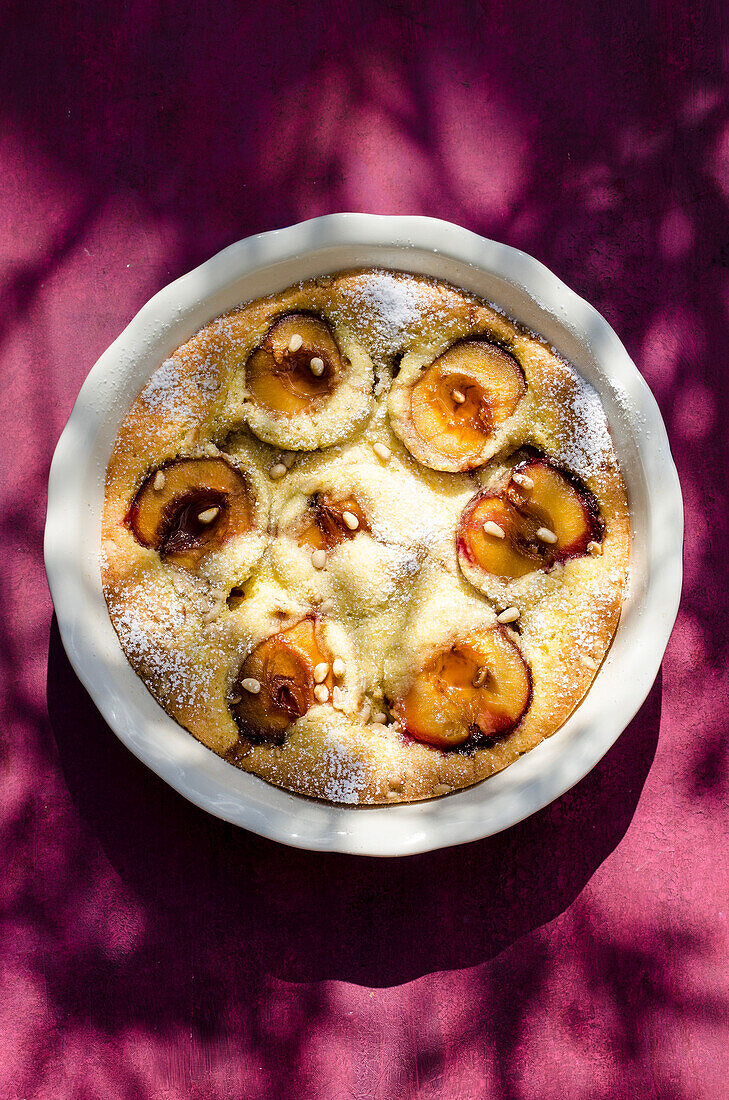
{"x":220,"y":911}
{"x":245,"y":909}
{"x":378,"y":922}
{"x":596,"y":139}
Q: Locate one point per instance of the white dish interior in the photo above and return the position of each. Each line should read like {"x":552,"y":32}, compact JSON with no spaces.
{"x":525,"y":290}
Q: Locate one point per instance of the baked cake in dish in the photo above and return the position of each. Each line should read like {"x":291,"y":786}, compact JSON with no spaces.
{"x":366,"y":538}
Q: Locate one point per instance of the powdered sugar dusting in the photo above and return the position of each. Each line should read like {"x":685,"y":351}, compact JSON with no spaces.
{"x":149,"y":627}
{"x":590,"y":623}
{"x":582,"y":438}
{"x":172,"y":394}
{"x":585,"y":618}
{"x":391,"y":307}
{"x":627,"y":406}
{"x":166,"y":393}
{"x":342,"y":772}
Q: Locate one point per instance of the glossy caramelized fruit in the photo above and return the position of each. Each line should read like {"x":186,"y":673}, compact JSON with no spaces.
{"x":476,"y":691}
{"x":187,"y":508}
{"x":460,"y":401}
{"x":329,"y":522}
{"x":542,"y":516}
{"x":276,"y":683}
{"x":296,"y":366}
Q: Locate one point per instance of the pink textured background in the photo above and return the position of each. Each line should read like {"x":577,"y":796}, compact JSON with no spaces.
{"x":149,"y":951}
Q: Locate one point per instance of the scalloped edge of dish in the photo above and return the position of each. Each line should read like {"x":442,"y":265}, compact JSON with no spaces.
{"x":535,"y":297}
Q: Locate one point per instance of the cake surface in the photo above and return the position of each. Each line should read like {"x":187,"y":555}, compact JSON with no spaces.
{"x":366,"y":538}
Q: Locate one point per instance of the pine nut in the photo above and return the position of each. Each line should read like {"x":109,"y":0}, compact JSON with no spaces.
{"x":295,"y":342}
{"x":588,"y":661}
{"x":380,"y":718}
{"x":190,"y":437}
{"x":277,"y":471}
{"x":321,"y":672}
{"x":316,"y":366}
{"x":491,"y":528}
{"x":287,"y":459}
{"x":351,"y":520}
{"x":546,"y":535}
{"x":594,"y":548}
{"x":209,"y":514}
{"x":382,"y":451}
{"x":524,"y":480}
{"x":318,"y":558}
{"x":510,"y":615}
{"x":321,"y":693}
{"x":338,"y":698}
{"x":458,"y":397}
{"x":480,"y":678}
{"x":159,"y":481}
{"x":338,"y":667}
{"x":250,"y":684}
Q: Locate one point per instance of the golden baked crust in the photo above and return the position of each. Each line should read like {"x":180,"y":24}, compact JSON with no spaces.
{"x":389,"y":598}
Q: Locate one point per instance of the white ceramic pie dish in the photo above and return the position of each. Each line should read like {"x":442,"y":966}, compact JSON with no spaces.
{"x":528,"y":292}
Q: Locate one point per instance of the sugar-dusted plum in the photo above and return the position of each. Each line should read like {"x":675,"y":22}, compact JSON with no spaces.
{"x":329,"y":521}
{"x":476,"y":691}
{"x":459,"y":403}
{"x":189,"y":507}
{"x":542,"y":515}
{"x":296,"y":366}
{"x":280,"y":680}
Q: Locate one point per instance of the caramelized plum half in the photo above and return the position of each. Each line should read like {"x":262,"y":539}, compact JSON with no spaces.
{"x":473,"y":693}
{"x":283,"y":666}
{"x":279,"y":373}
{"x":461,"y":400}
{"x":189,"y":507}
{"x":545,"y":516}
{"x":328,"y":522}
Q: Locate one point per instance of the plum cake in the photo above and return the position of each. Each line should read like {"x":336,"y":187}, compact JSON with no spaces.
{"x":366,"y":538}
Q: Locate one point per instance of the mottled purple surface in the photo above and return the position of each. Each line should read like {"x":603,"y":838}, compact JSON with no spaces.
{"x":149,"y":951}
